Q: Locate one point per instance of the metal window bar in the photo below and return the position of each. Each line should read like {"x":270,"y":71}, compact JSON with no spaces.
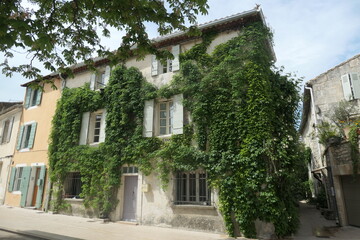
{"x":192,"y":189}
{"x":72,"y":185}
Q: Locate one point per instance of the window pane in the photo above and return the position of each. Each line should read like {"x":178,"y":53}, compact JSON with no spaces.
{"x":136,"y":170}
{"x":27,"y":136}
{"x":97,"y":131}
{"x":162,"y":106}
{"x":96,"y":139}
{"x":162,"y":114}
{"x":162,"y":122}
{"x":162,"y":130}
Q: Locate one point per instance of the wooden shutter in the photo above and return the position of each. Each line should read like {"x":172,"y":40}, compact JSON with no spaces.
{"x":84,"y":128}
{"x":178,"y":120}
{"x":148,"y":118}
{"x":355,"y":82}
{"x":38,"y":97}
{"x":32,"y":135}
{"x":40,"y":184}
{"x":24,"y":186}
{"x":175,"y":61}
{"x":27,"y":97}
{"x":154,"y":66}
{"x":107,"y":74}
{"x":21,"y":133}
{"x":345,"y":80}
{"x":92,"y":81}
{"x":12,"y":179}
{"x":10,"y":129}
{"x":102,"y":127}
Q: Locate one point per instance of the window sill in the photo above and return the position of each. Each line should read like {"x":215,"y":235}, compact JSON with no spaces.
{"x":202,"y":207}
{"x":24,"y":150}
{"x":16,"y":192}
{"x":74,"y":199}
{"x":32,"y":107}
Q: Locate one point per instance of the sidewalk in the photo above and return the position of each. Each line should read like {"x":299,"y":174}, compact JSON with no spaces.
{"x":56,"y":226}
{"x":312,"y":221}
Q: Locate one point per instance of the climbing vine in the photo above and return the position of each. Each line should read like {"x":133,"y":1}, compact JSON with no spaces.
{"x":242,"y":132}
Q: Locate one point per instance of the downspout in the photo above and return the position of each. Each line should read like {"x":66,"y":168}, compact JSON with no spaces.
{"x":316,"y":123}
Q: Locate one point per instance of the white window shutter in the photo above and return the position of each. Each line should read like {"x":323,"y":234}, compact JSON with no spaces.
{"x":154,"y":66}
{"x":175,"y":62}
{"x":102,"y":127}
{"x":355,"y":82}
{"x":92,"y":81}
{"x":148,"y":118}
{"x":178,"y":121}
{"x":10,"y":129}
{"x":107,"y":74}
{"x":346,"y":87}
{"x":84,"y":128}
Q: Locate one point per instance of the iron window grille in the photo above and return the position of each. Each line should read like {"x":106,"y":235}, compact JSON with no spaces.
{"x":192,"y":189}
{"x":73,"y":185}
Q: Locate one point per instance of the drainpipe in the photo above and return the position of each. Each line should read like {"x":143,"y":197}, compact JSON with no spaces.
{"x":316,"y":123}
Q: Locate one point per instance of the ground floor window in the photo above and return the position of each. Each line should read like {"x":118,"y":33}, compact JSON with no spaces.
{"x":72,"y":185}
{"x":192,"y":188}
{"x":18,"y":177}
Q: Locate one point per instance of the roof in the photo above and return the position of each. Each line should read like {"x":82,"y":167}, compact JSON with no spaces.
{"x":222,"y":24}
{"x":9,"y":106}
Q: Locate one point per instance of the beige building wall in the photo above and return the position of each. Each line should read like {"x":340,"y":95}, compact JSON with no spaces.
{"x":36,"y":156}
{"x":7,"y":150}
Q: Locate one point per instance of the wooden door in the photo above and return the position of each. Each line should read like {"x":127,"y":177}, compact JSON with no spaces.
{"x":36,"y":187}
{"x":130,"y":198}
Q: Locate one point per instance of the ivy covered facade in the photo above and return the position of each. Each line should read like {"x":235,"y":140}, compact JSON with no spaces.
{"x":205,"y":140}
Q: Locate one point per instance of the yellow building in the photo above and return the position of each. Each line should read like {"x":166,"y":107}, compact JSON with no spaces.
{"x":27,"y":182}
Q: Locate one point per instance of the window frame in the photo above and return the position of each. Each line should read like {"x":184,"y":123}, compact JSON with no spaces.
{"x":190,"y":190}
{"x":93,"y":128}
{"x":25,"y":136}
{"x":169,"y":117}
{"x":100,"y":80}
{"x":5,"y":134}
{"x":18,"y":178}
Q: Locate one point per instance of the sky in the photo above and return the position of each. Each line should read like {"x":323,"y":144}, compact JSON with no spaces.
{"x":310,"y":36}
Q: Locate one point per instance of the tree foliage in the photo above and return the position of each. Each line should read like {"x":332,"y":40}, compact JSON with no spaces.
{"x":60,"y":33}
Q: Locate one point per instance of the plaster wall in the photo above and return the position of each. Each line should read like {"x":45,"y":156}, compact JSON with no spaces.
{"x":7,"y":149}
{"x":42,"y":114}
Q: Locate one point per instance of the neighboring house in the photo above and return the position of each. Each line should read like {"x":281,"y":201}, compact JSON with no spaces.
{"x":10,"y":114}
{"x":27,"y":181}
{"x":141,"y":198}
{"x":331,"y":166}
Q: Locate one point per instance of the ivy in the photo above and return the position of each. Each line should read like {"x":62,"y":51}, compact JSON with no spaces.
{"x":242,"y":132}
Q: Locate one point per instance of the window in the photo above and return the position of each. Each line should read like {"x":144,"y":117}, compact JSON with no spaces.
{"x":163,"y":117}
{"x":72,"y":185}
{"x":192,"y":188}
{"x":93,"y":127}
{"x":170,"y":65}
{"x":18,"y":177}
{"x":131,"y":169}
{"x":100,"y":78}
{"x":6,"y":131}
{"x":166,"y":112}
{"x":351,"y":86}
{"x":26,"y":136}
{"x":33,"y":97}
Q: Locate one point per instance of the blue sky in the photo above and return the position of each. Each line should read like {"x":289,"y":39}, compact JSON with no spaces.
{"x":310,"y":36}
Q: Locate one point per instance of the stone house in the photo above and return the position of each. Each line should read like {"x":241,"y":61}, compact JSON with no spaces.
{"x":188,"y":202}
{"x":10,"y":114}
{"x":27,"y":183}
{"x":331,"y":165}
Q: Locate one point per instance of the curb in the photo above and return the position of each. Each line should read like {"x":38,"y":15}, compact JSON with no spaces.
{"x":40,"y":235}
